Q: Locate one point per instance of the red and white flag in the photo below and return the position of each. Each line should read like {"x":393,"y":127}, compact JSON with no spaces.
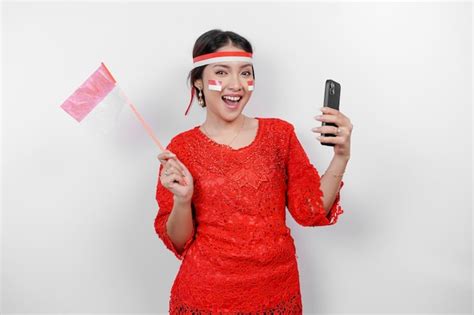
{"x":98,"y":102}
{"x":215,"y":85}
{"x":250,"y":85}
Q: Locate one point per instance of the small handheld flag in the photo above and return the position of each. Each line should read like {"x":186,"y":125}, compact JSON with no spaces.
{"x":99,"y":101}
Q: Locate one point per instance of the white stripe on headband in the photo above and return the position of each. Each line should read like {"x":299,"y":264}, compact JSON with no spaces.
{"x":220,"y":59}
{"x":221,"y":56}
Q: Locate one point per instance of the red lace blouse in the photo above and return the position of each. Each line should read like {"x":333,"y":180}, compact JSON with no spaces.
{"x":241,"y":256}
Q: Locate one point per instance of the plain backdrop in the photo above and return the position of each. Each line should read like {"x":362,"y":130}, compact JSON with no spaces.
{"x":78,"y":209}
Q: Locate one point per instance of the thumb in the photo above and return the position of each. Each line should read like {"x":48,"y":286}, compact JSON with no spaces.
{"x":182,"y":165}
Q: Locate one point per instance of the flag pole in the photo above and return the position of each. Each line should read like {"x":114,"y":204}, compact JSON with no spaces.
{"x":142,"y":121}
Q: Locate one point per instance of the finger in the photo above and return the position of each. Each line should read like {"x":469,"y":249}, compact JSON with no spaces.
{"x":183,"y":167}
{"x":329,"y":110}
{"x":327,"y":118}
{"x":166,"y":155}
{"x":163,"y":160}
{"x":171,"y":179}
{"x":175,"y":164}
{"x":334,"y":140}
{"x":175,"y":178}
{"x":173,"y":171}
{"x":324,"y":129}
{"x":169,"y":171}
{"x":332,"y":111}
{"x":330,"y":129}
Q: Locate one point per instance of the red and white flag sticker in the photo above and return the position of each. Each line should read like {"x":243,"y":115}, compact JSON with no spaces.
{"x":215,"y":85}
{"x":250,"y":85}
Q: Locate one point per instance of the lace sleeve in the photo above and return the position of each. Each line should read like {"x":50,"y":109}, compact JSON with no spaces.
{"x":304,"y":197}
{"x":164,"y":198}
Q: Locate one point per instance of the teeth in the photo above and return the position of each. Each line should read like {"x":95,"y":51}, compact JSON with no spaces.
{"x":232,"y":98}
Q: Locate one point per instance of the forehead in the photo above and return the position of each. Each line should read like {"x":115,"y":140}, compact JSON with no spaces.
{"x":230,"y":64}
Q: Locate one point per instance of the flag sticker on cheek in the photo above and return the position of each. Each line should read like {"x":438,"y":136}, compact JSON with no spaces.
{"x":250,"y":85}
{"x":215,"y":85}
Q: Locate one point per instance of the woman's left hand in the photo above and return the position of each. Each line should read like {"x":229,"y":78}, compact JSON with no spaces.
{"x":342,"y":140}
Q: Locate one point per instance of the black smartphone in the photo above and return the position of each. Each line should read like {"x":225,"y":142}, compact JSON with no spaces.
{"x":332,"y":94}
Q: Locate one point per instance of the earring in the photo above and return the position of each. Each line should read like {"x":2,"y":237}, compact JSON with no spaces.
{"x":200,"y":99}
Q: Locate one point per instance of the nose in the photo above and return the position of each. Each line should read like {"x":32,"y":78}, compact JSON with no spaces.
{"x":235,"y":83}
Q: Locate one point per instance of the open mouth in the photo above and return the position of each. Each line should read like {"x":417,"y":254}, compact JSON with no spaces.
{"x":232,"y":101}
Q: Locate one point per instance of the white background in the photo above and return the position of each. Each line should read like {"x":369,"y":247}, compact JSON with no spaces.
{"x":78,"y":210}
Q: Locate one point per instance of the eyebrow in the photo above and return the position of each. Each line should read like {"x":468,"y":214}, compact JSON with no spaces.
{"x":227,"y":67}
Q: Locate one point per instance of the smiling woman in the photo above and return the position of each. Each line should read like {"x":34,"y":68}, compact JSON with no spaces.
{"x":229,"y":57}
{"x":222,"y":196}
{"x":223,"y":72}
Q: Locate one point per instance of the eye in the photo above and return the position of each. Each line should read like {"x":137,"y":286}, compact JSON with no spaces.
{"x":247,"y":73}
{"x":219,"y":72}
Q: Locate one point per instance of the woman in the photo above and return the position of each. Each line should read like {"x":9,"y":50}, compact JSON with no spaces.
{"x":224,"y":186}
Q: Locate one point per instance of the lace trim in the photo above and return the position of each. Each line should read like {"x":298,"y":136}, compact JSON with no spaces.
{"x":304,"y":196}
{"x":253,"y":143}
{"x":291,"y":306}
{"x":336,"y":209}
{"x":166,"y":206}
{"x":169,"y":243}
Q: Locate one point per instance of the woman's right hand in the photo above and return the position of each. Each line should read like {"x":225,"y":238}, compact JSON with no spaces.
{"x":177,"y":179}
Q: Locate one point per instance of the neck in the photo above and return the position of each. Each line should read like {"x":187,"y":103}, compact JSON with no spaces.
{"x":219,"y":127}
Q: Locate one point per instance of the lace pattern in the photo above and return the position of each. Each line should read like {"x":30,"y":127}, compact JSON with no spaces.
{"x":304,"y":195}
{"x":241,"y":257}
{"x":290,"y":307}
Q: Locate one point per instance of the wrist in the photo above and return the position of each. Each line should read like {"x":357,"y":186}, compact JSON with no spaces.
{"x":182,"y":200}
{"x":344,"y":158}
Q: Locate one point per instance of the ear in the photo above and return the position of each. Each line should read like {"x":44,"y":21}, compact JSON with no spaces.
{"x":198,"y":84}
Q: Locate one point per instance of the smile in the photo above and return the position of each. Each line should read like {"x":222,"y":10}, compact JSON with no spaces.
{"x":231,"y":102}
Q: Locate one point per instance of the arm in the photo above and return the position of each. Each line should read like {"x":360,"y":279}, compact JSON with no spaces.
{"x":180,"y":223}
{"x":331,"y":181}
{"x":304,"y":196}
{"x":174,"y":222}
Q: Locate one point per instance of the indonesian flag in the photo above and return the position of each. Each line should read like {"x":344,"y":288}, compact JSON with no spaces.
{"x":215,"y":85}
{"x":98,"y":102}
{"x":250,"y":85}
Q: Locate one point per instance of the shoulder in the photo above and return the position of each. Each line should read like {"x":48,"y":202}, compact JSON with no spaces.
{"x":279,"y":126}
{"x":180,"y":141}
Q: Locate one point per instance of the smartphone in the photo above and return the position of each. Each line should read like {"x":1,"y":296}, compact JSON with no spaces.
{"x":332,"y":94}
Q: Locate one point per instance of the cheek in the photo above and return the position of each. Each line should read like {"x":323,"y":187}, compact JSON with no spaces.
{"x":250,"y":85}
{"x":214,"y":85}
{"x":213,"y":96}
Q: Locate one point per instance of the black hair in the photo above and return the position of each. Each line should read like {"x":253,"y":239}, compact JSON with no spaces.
{"x":210,"y":42}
